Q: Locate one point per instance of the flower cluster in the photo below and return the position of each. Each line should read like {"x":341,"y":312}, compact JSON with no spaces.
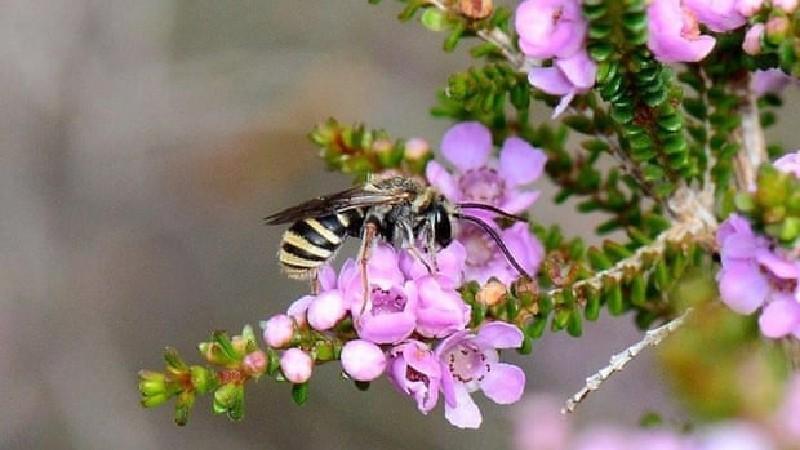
{"x":540,"y":426}
{"x":556,"y":30}
{"x":413,"y":325}
{"x":756,"y":273}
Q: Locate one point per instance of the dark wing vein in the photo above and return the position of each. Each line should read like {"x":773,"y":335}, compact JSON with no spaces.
{"x":355,"y":197}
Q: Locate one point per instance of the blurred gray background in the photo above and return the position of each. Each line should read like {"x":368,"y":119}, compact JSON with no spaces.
{"x":140,"y":145}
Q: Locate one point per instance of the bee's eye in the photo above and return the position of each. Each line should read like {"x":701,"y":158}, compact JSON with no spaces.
{"x":442,"y":226}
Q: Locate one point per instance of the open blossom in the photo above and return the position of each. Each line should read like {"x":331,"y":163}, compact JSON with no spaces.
{"x":450,"y":263}
{"x":754,"y":275}
{"x":470,"y":362}
{"x":414,"y":370}
{"x":770,"y":81}
{"x":550,"y":28}
{"x":485,"y":260}
{"x":674,"y":33}
{"x":478,"y":177}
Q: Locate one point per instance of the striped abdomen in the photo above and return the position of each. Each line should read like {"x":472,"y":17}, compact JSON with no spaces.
{"x":310,"y":243}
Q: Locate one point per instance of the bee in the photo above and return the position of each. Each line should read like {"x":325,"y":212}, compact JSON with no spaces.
{"x":400,"y":210}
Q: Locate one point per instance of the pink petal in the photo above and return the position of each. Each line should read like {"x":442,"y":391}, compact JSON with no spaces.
{"x":780,"y":267}
{"x":742,"y":287}
{"x":466,"y":413}
{"x":780,"y":318}
{"x":327,"y":278}
{"x":550,"y":80}
{"x":467,"y":145}
{"x":520,"y":162}
{"x":442,"y":180}
{"x":519,"y":201}
{"x":504,"y":383}
{"x":500,"y":335}
{"x":579,"y":69}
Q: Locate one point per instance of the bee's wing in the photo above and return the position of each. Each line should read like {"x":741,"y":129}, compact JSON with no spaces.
{"x":355,"y":197}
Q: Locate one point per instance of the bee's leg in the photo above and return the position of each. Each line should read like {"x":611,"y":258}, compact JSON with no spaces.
{"x":370,"y":231}
{"x":412,"y":247}
{"x":432,"y":241}
{"x":315,"y":285}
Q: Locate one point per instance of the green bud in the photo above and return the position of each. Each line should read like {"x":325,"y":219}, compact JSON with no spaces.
{"x":790,"y":229}
{"x":154,"y":400}
{"x":434,"y":19}
{"x":182,"y":408}
{"x":203,"y":379}
{"x":152,"y":383}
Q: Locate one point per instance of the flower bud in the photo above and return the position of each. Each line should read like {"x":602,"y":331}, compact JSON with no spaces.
{"x":416,"y":149}
{"x":491,"y":293}
{"x":278,"y":330}
{"x":475,"y":9}
{"x":203,"y":379}
{"x":362,"y":360}
{"x":777,"y":27}
{"x":297,"y":310}
{"x":255,"y":363}
{"x":152,"y":383}
{"x":327,"y":309}
{"x":296,"y":365}
{"x":752,"y":40}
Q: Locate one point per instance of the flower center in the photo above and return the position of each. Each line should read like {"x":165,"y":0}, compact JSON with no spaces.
{"x":466,"y":362}
{"x":691,"y":27}
{"x":479,"y":246}
{"x":387,"y":301}
{"x":482,"y":185}
{"x":416,"y":376}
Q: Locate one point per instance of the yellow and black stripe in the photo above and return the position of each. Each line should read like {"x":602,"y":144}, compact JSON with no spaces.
{"x":310,"y":243}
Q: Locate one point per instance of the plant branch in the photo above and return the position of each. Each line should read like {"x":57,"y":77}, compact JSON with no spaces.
{"x":620,"y":360}
{"x":754,"y":150}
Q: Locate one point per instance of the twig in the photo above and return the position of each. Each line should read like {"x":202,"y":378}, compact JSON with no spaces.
{"x":754,"y":150}
{"x":499,"y":38}
{"x":620,"y":360}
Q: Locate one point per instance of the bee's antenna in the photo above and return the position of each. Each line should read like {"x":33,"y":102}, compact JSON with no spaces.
{"x":493,"y":209}
{"x":497,"y":239}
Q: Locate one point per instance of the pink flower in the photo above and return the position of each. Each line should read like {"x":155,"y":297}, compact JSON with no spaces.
{"x":479,"y":178}
{"x":789,"y":163}
{"x":440,"y":310}
{"x":486,"y":261}
{"x":781,"y":317}
{"x":450,"y":261}
{"x":539,"y":424}
{"x":752,"y":40}
{"x":255,"y":363}
{"x":470,"y":362}
{"x":550,"y":28}
{"x":770,"y":81}
{"x":278,"y":330}
{"x":788,"y":6}
{"x":296,"y":365}
{"x":362,"y":360}
{"x":297,"y":310}
{"x":326,"y":310}
{"x":717,"y":15}
{"x":389,"y":315}
{"x":674,"y":33}
{"x":749,"y":7}
{"x":415,"y":371}
{"x":567,"y":77}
